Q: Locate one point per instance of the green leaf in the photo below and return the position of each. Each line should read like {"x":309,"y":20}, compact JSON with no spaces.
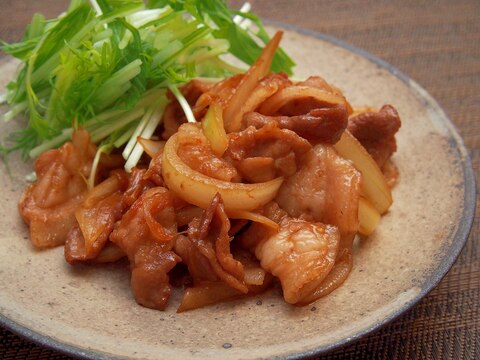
{"x":63,"y":31}
{"x":103,"y":71}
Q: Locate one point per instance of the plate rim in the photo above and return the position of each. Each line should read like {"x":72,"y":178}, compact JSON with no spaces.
{"x":450,"y":254}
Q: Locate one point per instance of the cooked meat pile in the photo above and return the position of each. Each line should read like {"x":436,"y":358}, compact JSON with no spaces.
{"x":286,"y":211}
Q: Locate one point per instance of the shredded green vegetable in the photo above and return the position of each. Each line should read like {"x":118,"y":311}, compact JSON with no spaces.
{"x":105,"y":65}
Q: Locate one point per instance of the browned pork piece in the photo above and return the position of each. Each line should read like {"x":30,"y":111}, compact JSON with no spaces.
{"x":317,"y":125}
{"x":206,"y":249}
{"x":266,"y":153}
{"x":313,"y":109}
{"x":147,"y":234}
{"x":301,"y":254}
{"x":304,"y":105}
{"x":376,"y":132}
{"x":103,"y":206}
{"x":206,"y":293}
{"x":310,"y":257}
{"x":196,"y":152}
{"x":219,"y":273}
{"x":326,"y":188}
{"x":48,"y":206}
{"x":96,"y":216}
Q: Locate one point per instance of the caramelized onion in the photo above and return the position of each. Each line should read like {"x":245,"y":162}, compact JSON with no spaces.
{"x":198,"y":189}
{"x":257,"y":71}
{"x":151,"y":147}
{"x":250,"y":215}
{"x":206,"y":294}
{"x":292,"y":93}
{"x":335,"y":278}
{"x":213,"y":129}
{"x":368,"y":216}
{"x":374,"y":185}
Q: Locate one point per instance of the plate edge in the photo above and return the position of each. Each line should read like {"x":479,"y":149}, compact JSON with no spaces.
{"x":459,"y":238}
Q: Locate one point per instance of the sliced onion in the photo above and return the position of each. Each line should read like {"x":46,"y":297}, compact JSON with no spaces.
{"x":261,"y":68}
{"x":206,"y":294}
{"x":110,"y":253}
{"x":151,"y":147}
{"x":368,"y":216}
{"x":358,"y":111}
{"x":335,"y":278}
{"x":249,"y":215}
{"x":213,"y":129}
{"x":198,"y":189}
{"x":374,"y":185}
{"x":267,"y":87}
{"x":291,"y":93}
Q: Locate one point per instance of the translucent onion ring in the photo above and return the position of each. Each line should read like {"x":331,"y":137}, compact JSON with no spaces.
{"x":199,"y":189}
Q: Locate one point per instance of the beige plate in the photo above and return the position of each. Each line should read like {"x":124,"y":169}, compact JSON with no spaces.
{"x":89,"y":311}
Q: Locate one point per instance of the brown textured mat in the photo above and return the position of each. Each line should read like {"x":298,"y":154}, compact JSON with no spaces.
{"x":437,"y":43}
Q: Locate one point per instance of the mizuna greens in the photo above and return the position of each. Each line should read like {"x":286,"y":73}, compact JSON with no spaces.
{"x":106,"y":65}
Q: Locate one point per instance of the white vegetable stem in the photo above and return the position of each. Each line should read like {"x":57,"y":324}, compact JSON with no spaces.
{"x":96,"y":7}
{"x":183,"y":103}
{"x":244,"y":9}
{"x":105,"y":130}
{"x":147,"y":133}
{"x":138,"y":130}
{"x":93,"y":171}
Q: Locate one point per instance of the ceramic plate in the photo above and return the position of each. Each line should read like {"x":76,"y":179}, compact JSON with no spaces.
{"x":89,"y":311}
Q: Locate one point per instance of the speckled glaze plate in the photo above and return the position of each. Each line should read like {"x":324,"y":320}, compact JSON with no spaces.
{"x":89,"y":311}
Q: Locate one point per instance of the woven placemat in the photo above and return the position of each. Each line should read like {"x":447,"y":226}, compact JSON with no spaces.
{"x":437,"y":43}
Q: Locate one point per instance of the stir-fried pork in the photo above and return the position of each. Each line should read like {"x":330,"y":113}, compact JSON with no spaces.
{"x":326,"y":188}
{"x":103,"y":206}
{"x":287,"y":130}
{"x":324,"y":125}
{"x":206,"y":250}
{"x":48,"y":206}
{"x":196,"y":152}
{"x":376,"y":132}
{"x":265,"y":153}
{"x":174,"y":116}
{"x":146,"y":234}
